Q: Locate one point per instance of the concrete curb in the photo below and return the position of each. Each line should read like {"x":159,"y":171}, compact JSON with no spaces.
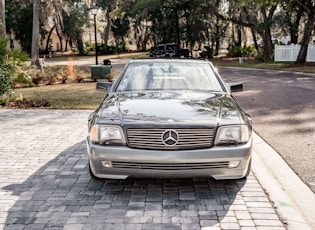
{"x":293,"y":200}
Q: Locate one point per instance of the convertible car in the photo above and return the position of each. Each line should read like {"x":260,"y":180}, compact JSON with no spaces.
{"x":169,"y":118}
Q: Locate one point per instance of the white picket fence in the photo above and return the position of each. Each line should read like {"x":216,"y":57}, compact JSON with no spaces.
{"x":291,"y":52}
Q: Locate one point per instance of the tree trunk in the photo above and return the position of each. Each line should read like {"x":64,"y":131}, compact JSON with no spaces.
{"x":251,"y":29}
{"x":66,"y":46}
{"x":233,"y":35}
{"x":266,"y":36}
{"x":35,"y":33}
{"x":294,"y":30}
{"x":293,"y":36}
{"x":145,"y":38}
{"x":48,"y":38}
{"x":2,"y":18}
{"x":177,"y":26}
{"x":255,"y":39}
{"x":108,"y":26}
{"x":217,"y":37}
{"x":309,"y":27}
{"x":80,"y":45}
{"x":60,"y":40}
{"x":239,"y":36}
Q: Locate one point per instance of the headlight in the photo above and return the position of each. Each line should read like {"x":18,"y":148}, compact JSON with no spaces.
{"x":232,"y":135}
{"x":107,"y":135}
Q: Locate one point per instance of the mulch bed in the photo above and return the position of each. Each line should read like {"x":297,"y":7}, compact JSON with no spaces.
{"x":32,"y":104}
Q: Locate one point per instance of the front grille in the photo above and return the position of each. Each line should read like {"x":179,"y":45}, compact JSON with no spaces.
{"x":153,"y":139}
{"x":169,"y":166}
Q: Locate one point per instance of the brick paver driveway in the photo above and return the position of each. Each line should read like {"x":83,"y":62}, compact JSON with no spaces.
{"x":45,"y":183}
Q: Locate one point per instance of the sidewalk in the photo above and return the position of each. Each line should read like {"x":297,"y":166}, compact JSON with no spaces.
{"x":293,"y":200}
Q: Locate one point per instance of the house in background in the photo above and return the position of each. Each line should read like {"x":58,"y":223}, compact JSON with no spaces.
{"x":13,"y":44}
{"x":51,"y":42}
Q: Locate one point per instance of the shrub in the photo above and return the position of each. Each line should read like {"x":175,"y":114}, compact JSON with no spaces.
{"x":17,"y":57}
{"x":10,"y":59}
{"x":3,"y":49}
{"x":23,"y":80}
{"x":4,"y":101}
{"x":260,"y":55}
{"x":234,"y":51}
{"x":208,"y":53}
{"x":10,"y":72}
{"x":238,"y":51}
{"x":248,"y":50}
{"x":104,"y":49}
{"x":5,"y":82}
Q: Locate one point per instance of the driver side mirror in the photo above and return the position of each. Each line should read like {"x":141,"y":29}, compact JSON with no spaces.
{"x":235,"y":87}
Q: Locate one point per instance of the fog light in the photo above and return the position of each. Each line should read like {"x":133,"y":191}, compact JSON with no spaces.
{"x":234,"y":164}
{"x":107,"y":164}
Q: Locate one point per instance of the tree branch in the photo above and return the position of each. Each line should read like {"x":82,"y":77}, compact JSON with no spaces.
{"x":231,"y":19}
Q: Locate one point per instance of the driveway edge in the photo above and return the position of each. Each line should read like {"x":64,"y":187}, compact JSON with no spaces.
{"x":293,"y":200}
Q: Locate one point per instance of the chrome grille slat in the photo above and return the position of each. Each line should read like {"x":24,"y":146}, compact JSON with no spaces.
{"x":152,"y":138}
{"x":170,"y":166}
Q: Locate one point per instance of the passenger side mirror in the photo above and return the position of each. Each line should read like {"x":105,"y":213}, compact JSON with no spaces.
{"x":103,"y":85}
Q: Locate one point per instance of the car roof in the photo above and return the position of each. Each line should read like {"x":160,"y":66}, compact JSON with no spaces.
{"x":163,"y":60}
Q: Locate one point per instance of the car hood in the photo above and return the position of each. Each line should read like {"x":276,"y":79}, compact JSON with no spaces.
{"x":180,"y":107}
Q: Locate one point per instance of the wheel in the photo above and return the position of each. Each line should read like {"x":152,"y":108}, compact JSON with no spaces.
{"x":248,"y":169}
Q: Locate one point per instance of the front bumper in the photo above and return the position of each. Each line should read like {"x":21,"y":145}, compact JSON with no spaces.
{"x":126,"y":162}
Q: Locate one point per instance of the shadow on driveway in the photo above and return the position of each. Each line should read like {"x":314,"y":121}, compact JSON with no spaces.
{"x":61,"y":195}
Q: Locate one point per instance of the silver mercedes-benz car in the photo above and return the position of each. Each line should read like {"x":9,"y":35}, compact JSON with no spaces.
{"x":169,"y":118}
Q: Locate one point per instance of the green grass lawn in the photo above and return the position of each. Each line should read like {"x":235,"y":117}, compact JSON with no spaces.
{"x":276,"y":66}
{"x":249,"y":63}
{"x":65,"y":96}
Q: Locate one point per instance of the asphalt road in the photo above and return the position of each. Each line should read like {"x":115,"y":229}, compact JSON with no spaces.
{"x":282,"y":106}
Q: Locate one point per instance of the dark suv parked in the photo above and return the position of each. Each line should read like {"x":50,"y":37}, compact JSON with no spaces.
{"x":169,"y":50}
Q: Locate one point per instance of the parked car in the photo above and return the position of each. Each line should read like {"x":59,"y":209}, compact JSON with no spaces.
{"x":169,"y":118}
{"x":169,"y":50}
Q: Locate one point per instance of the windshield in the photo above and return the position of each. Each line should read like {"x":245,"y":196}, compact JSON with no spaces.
{"x":169,"y":76}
